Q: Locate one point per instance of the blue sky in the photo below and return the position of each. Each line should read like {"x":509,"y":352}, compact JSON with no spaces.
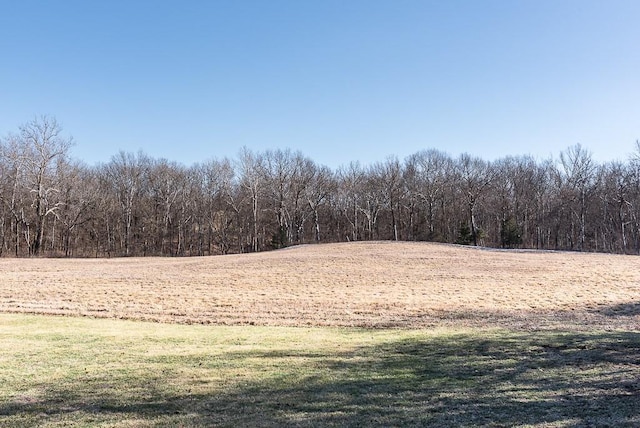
{"x":339,"y":80}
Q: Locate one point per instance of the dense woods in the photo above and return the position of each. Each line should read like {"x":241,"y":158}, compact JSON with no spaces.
{"x":136,"y":205}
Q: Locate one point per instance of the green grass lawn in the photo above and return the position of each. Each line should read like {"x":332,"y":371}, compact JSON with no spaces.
{"x":88,"y":372}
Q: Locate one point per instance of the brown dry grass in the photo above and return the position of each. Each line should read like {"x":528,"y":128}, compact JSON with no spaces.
{"x":372,"y":284}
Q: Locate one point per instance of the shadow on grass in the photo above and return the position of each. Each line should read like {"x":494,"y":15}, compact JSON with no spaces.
{"x":493,"y":379}
{"x":622,"y":310}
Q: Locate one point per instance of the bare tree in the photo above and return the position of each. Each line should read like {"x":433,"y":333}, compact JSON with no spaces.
{"x":13,"y":190}
{"x":430,"y":171}
{"x":389,"y":177}
{"x":348,"y":199}
{"x":221,"y":206}
{"x":279,"y":168}
{"x":78,"y":200}
{"x":126,"y":175}
{"x":475,"y":176}
{"x":576,"y":177}
{"x":43,"y":149}
{"x":321,"y":186}
{"x":251,"y":175}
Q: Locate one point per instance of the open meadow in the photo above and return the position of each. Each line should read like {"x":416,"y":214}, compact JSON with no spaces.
{"x":380,"y":284}
{"x":381,"y":334}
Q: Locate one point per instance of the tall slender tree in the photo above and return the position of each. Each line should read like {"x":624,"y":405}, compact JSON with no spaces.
{"x":44,"y":148}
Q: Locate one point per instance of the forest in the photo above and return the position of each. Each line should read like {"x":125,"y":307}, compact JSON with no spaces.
{"x":52,"y":205}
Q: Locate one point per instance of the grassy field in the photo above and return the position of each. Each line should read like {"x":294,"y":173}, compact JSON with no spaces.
{"x":377,"y":334}
{"x":89,"y":372}
{"x":380,"y":284}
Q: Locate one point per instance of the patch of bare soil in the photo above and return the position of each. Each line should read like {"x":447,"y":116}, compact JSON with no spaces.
{"x":367,"y":284}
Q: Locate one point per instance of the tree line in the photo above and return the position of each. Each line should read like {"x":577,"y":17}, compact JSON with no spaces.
{"x":137,"y":205}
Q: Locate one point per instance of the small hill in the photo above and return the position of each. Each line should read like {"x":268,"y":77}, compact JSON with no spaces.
{"x":366,"y":284}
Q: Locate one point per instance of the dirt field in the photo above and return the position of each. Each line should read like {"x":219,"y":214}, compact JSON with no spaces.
{"x":379,"y":284}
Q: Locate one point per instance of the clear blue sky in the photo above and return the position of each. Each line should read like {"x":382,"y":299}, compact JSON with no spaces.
{"x":339,"y":80}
